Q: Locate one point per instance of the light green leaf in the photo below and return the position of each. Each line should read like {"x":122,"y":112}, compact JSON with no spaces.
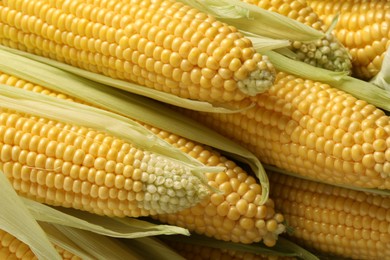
{"x":113,"y":227}
{"x":251,"y":18}
{"x":17,"y":220}
{"x":99,"y":247}
{"x":382,"y":79}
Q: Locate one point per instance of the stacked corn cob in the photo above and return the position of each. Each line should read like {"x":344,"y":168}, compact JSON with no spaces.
{"x":314,"y":130}
{"x":334,"y":220}
{"x":300,"y":125}
{"x":363,"y":28}
{"x":108,"y":176}
{"x":165,"y":45}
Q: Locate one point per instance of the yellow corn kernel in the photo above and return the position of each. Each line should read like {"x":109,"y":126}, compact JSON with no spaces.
{"x":362,"y":28}
{"x":333,"y":220}
{"x":233,"y":215}
{"x":164,"y":45}
{"x":314,"y":130}
{"x":326,"y":53}
{"x":13,"y":248}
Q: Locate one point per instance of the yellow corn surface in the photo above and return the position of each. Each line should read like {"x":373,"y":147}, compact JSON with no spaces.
{"x":314,"y":130}
{"x":332,"y":220}
{"x":363,"y":28}
{"x":164,"y":45}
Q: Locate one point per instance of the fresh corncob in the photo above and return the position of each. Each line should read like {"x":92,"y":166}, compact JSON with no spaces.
{"x":333,"y":220}
{"x":13,"y":248}
{"x":325,"y":53}
{"x":363,"y":28}
{"x":72,"y":166}
{"x":163,"y":45}
{"x":199,"y":252}
{"x":312,"y":129}
{"x":235,"y":214}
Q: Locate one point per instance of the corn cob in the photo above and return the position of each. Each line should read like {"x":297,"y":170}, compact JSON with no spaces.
{"x":13,"y":248}
{"x":162,"y":45}
{"x":199,"y":252}
{"x":333,"y":220}
{"x":233,"y":215}
{"x":363,"y":28}
{"x":314,"y":130}
{"x":72,"y":166}
{"x":326,"y":53}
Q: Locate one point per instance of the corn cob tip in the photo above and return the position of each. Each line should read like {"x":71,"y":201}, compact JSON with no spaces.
{"x":259,"y":80}
{"x":170,"y":188}
{"x":327,"y":53}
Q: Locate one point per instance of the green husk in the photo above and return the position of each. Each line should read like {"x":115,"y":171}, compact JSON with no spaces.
{"x":251,"y":18}
{"x":113,"y":227}
{"x":358,"y":88}
{"x":382,"y":79}
{"x":97,"y":246}
{"x":129,"y":105}
{"x":17,"y":220}
{"x":283,"y":246}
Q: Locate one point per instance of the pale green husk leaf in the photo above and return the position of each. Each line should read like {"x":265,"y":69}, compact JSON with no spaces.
{"x":283,"y":246}
{"x":358,"y":88}
{"x":262,"y":44}
{"x":59,"y":239}
{"x":113,"y":227}
{"x":251,"y":18}
{"x":86,"y":76}
{"x":97,"y":246}
{"x":133,"y":106}
{"x":382,"y":79}
{"x":17,"y":220}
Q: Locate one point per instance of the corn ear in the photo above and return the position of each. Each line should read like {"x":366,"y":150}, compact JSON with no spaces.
{"x":128,"y":104}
